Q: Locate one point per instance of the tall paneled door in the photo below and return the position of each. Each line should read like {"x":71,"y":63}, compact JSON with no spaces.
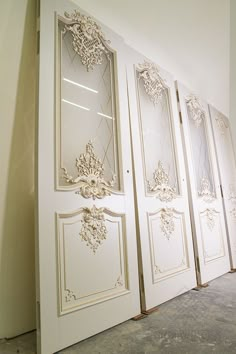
{"x":227,"y":169}
{"x":87,"y":271}
{"x":166,"y":252}
{"x":211,"y":246}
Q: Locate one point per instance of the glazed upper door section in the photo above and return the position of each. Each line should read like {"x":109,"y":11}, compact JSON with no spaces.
{"x":227,"y":170}
{"x":209,"y":223}
{"x":156,"y":126}
{"x":88,"y":273}
{"x":163,"y":216}
{"x":87,"y":103}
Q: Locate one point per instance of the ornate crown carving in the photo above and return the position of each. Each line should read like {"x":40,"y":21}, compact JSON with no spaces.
{"x":88,"y":39}
{"x":90,"y":175}
{"x":164,"y":191}
{"x":205,"y":191}
{"x":196,"y":110}
{"x":153,"y":83}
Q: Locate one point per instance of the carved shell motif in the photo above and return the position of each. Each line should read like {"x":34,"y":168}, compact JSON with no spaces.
{"x":90,"y":175}
{"x":88,"y":39}
{"x":205,"y":191}
{"x":153,"y":83}
{"x":93,"y":230}
{"x":167,"y":223}
{"x":161,"y":186}
{"x":196,"y":110}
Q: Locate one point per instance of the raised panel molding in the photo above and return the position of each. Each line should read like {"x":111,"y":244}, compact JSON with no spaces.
{"x":167,"y":235}
{"x":210,"y":221}
{"x":102,"y":253}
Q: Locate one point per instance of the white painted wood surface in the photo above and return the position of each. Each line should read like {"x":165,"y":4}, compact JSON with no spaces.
{"x":227,"y":170}
{"x":167,"y":264}
{"x":88,"y":273}
{"x":207,"y":208}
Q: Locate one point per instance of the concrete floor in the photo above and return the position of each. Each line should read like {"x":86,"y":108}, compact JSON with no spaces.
{"x":199,"y":322}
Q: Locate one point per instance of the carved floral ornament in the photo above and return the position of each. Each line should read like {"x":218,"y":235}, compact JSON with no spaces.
{"x":167,"y":223}
{"x":210,"y":219}
{"x":93,"y":230}
{"x":88,"y":39}
{"x":161,"y":186}
{"x":221,"y":122}
{"x":205,"y":191}
{"x":90,"y":178}
{"x":196,"y":110}
{"x":154,"y":85}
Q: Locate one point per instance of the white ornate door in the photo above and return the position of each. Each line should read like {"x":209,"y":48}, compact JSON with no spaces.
{"x":88,"y":274}
{"x":167,"y":260}
{"x":227,"y":170}
{"x":207,"y":208}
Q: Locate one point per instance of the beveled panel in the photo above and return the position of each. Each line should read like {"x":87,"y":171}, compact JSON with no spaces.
{"x":212,"y":237}
{"x":91,"y":258}
{"x":168,"y":243}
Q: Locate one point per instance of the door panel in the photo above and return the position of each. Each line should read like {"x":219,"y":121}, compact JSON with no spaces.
{"x":227,"y":171}
{"x":165,"y":233}
{"x":88,"y":273}
{"x":207,"y":210}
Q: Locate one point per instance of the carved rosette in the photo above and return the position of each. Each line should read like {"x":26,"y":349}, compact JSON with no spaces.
{"x":93,"y":230}
{"x":210,"y":219}
{"x":88,"y":40}
{"x":163,"y":190}
{"x":167,"y":223}
{"x":90,"y":175}
{"x":221,"y":123}
{"x":196,"y":110}
{"x":205,"y":191}
{"x":153,"y":83}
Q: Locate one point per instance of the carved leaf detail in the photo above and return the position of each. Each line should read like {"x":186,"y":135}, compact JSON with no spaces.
{"x":93,"y":230}
{"x":167,"y":223}
{"x":196,"y":110}
{"x":70,"y":295}
{"x":90,"y":175}
{"x":164,"y":191}
{"x":205,"y":191}
{"x":153,"y":83}
{"x":88,"y":39}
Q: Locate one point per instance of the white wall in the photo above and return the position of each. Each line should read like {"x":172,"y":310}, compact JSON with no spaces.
{"x":189,"y":38}
{"x":17,"y":114}
{"x":233,"y":68}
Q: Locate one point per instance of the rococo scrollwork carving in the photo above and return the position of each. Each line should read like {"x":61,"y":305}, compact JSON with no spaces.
{"x":196,"y":110}
{"x":90,"y":178}
{"x":161,"y":186}
{"x":93,"y":230}
{"x":205,"y":191}
{"x":210,"y":219}
{"x":153,"y":83}
{"x":88,"y":39}
{"x":70,"y":295}
{"x":167,"y":223}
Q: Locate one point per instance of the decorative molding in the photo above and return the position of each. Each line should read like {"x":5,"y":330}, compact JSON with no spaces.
{"x":164,"y":191}
{"x":232,"y":194}
{"x":167,"y":223}
{"x":90,"y":175}
{"x":233,"y":214}
{"x":93,"y":230}
{"x":205,"y":191}
{"x":159,"y":270}
{"x":70,"y":295}
{"x":153,"y":83}
{"x":119,"y":282}
{"x":210,"y":219}
{"x":88,"y":39}
{"x":221,"y":123}
{"x":196,"y":110}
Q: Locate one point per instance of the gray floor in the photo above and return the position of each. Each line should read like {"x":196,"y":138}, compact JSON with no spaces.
{"x":198,"y":322}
